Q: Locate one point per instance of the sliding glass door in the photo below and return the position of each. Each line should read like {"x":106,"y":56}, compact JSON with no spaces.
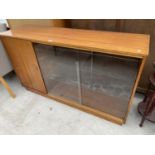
{"x":96,"y":80}
{"x":107,"y":82}
{"x":59,"y":69}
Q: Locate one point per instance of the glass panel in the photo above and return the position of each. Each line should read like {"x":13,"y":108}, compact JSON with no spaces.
{"x":107,"y":82}
{"x":59,"y":69}
{"x":99,"y":81}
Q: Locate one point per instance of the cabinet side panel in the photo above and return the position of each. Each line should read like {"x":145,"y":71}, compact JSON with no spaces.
{"x":16,"y":59}
{"x":135,"y":86}
{"x":25,"y":63}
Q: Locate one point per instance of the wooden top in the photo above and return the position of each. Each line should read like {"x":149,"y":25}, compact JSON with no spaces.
{"x":126,"y":44}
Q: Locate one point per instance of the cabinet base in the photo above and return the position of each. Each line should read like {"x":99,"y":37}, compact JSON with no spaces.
{"x":95,"y":112}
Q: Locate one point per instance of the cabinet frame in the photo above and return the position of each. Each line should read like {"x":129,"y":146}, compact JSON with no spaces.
{"x":63,"y":38}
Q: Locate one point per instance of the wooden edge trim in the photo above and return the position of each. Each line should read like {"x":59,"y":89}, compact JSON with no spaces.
{"x":106,"y":51}
{"x":135,"y":86}
{"x":37,"y":61}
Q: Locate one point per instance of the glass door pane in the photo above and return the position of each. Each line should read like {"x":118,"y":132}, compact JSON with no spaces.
{"x":59,"y":69}
{"x":107,"y":82}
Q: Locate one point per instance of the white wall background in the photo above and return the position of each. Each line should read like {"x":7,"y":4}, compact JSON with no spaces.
{"x":5,"y":65}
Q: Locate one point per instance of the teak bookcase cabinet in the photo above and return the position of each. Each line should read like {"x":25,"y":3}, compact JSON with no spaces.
{"x":94,"y":71}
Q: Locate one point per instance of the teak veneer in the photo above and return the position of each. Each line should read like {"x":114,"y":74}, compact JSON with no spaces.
{"x":95,"y":71}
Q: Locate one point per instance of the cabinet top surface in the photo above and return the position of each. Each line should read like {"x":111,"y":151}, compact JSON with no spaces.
{"x":126,"y":44}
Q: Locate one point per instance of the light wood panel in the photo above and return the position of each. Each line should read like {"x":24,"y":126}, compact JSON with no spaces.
{"x":101,"y":41}
{"x":24,"y":62}
{"x":15,"y":23}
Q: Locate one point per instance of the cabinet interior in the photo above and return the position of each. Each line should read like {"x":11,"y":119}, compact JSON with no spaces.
{"x":100,"y":81}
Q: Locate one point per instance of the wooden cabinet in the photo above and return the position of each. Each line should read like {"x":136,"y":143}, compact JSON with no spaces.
{"x":25,"y":63}
{"x":94,"y":71}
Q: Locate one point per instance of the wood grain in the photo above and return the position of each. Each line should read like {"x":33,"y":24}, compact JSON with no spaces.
{"x":15,"y":23}
{"x":134,"y":45}
{"x":91,"y":24}
{"x":24,"y":62}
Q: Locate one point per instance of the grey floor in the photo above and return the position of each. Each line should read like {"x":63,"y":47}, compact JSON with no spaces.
{"x":30,"y":113}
